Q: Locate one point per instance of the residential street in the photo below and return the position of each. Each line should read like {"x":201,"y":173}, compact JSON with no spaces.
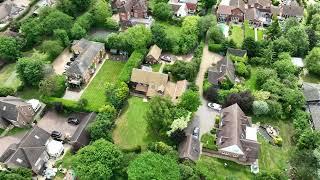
{"x":206,"y":115}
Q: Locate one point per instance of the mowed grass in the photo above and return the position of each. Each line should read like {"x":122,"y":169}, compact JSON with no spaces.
{"x":271,"y":157}
{"x":172,"y":31}
{"x":251,"y":83}
{"x":260,"y":34}
{"x":9,"y":77}
{"x":237,"y":35}
{"x":95,"y":92}
{"x":248,"y":31}
{"x":131,"y":127}
{"x":215,"y":169}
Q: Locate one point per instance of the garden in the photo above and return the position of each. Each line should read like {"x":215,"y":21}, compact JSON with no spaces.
{"x":8,"y":76}
{"x":237,"y":34}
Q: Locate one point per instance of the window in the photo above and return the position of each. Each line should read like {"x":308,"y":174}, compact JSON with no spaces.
{"x":37,"y":137}
{"x":19,"y":160}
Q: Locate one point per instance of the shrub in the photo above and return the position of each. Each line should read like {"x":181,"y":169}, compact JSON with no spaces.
{"x":277,"y":141}
{"x":242,"y":69}
{"x":208,"y":141}
{"x":217,"y":120}
{"x":6,"y":91}
{"x":134,"y":61}
{"x":111,"y":24}
{"x":52,"y":48}
{"x":215,"y":48}
{"x":54,"y":86}
{"x":260,"y":108}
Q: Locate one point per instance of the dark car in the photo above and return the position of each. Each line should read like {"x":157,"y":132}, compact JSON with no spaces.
{"x":73,"y":121}
{"x":56,"y":134}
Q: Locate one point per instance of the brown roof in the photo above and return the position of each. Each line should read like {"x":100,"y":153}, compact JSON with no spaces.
{"x":238,"y":4}
{"x":224,"y":67}
{"x":175,"y":90}
{"x":175,"y":7}
{"x":223,"y":9}
{"x":232,"y":131}
{"x":251,"y":14}
{"x":275,"y":10}
{"x":287,"y":10}
{"x":154,"y":52}
{"x":266,"y":3}
{"x":147,"y":77}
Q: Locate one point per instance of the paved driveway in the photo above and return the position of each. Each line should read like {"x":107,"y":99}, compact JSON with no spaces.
{"x":6,"y":141}
{"x":53,"y":121}
{"x":61,"y":60}
{"x":206,"y":117}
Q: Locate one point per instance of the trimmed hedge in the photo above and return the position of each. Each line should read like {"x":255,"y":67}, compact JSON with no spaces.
{"x":68,"y":105}
{"x":215,"y":48}
{"x":134,"y":61}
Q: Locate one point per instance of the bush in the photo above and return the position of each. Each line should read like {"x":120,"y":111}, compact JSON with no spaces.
{"x":134,"y":61}
{"x":260,"y":108}
{"x":6,"y":91}
{"x":242,"y":69}
{"x":209,"y":141}
{"x":277,"y":141}
{"x":52,"y":48}
{"x":54,"y":86}
{"x":215,"y":48}
{"x":111,"y":24}
{"x":217,"y":120}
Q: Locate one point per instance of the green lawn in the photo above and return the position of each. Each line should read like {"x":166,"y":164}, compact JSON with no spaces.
{"x":215,"y":169}
{"x":248,"y":30}
{"x":95,"y":92}
{"x":274,"y":157}
{"x":260,"y":34}
{"x":156,"y":67}
{"x":172,"y":31}
{"x":131,"y":127}
{"x":8,"y":76}
{"x":237,"y":34}
{"x":29,"y":93}
{"x":17,"y":130}
{"x":1,"y":131}
{"x":251,"y":82}
{"x":311,"y":78}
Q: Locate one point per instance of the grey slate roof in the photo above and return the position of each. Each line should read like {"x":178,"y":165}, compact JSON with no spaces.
{"x":311,"y":92}
{"x":29,"y":151}
{"x":190,"y":148}
{"x":314,"y":110}
{"x":89,"y":50}
{"x":236,"y":52}
{"x":224,"y":68}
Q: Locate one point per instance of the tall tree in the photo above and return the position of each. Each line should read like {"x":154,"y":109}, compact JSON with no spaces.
{"x":190,"y":101}
{"x":274,"y":31}
{"x":56,"y":20}
{"x":150,"y":165}
{"x":313,"y":61}
{"x":251,"y":46}
{"x":9,"y":48}
{"x":162,"y":11}
{"x":99,"y":160}
{"x":298,"y":37}
{"x":117,"y":93}
{"x":159,"y":37}
{"x":53,"y":86}
{"x":101,"y":10}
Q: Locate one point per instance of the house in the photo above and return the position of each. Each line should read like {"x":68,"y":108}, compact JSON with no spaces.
{"x":153,"y":55}
{"x":191,"y":5}
{"x":89,"y":54}
{"x":231,"y":11}
{"x":130,"y":9}
{"x":189,"y":148}
{"x":81,"y":137}
{"x":151,"y":84}
{"x":18,"y":112}
{"x":236,"y":138}
{"x":179,"y":9}
{"x":287,"y":11}
{"x":10,"y":10}
{"x":29,"y":153}
{"x":311,"y":93}
{"x":222,"y":71}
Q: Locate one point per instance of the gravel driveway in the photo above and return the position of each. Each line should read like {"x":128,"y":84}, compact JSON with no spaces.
{"x":61,"y":60}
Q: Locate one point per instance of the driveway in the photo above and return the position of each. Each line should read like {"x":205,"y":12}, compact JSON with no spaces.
{"x":206,"y":117}
{"x":61,"y":60}
{"x":6,"y":141}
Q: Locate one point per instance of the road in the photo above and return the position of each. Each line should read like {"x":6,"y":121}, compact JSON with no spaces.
{"x":205,"y":116}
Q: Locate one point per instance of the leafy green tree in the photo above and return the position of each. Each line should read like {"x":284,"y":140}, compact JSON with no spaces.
{"x":315,"y":22}
{"x":312,"y":10}
{"x":162,"y":11}
{"x":189,"y":35}
{"x":32,"y":30}
{"x":275,"y":109}
{"x":313,"y":61}
{"x":117,"y":93}
{"x":62,"y":36}
{"x":284,"y":65}
{"x":274,"y":31}
{"x":209,"y":3}
{"x":67,"y":7}
{"x":77,"y":31}
{"x":263,"y":74}
{"x":313,"y":36}
{"x":205,"y":22}
{"x":216,"y":35}
{"x":180,"y":124}
{"x":160,"y":115}
{"x":260,"y":108}
{"x":251,"y":46}
{"x":51,"y":47}
{"x":290,"y":23}
{"x":101,"y":10}
{"x":243,"y":99}
{"x":54,"y":85}
{"x":159,"y":37}
{"x":298,"y":37}
{"x":282,"y":45}
{"x":9,"y":48}
{"x":31,"y":69}
{"x":242,"y":69}
{"x":102,"y":126}
{"x":56,"y":20}
{"x":150,"y":165}
{"x":292,"y":99}
{"x":160,"y":148}
{"x":308,"y":140}
{"x":190,"y":101}
{"x":99,"y":160}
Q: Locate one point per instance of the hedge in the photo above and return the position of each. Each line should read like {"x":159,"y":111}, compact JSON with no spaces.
{"x":215,"y":48}
{"x":69,"y":105}
{"x":134,"y":61}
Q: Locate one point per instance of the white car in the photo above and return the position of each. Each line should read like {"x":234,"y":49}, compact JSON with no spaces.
{"x":214,"y":106}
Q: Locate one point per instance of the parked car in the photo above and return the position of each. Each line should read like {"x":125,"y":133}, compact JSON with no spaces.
{"x":214,"y":106}
{"x":56,"y":134}
{"x":196,"y":132}
{"x":73,"y":121}
{"x":165,"y":58}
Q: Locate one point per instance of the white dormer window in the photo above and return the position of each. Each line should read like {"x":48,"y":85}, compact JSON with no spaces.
{"x":4,"y":108}
{"x":19,"y":160}
{"x":37,"y":137}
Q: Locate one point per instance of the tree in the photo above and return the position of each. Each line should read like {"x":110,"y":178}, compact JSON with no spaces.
{"x":260,"y":108}
{"x":52,"y":48}
{"x":216,"y":34}
{"x":179,"y":124}
{"x":309,"y":140}
{"x":251,"y":46}
{"x":284,"y":66}
{"x":54,"y":85}
{"x":16,"y":174}
{"x":211,"y":94}
{"x":267,"y":175}
{"x":102,"y":126}
{"x":298,"y":37}
{"x":160,"y":115}
{"x":300,"y":122}
{"x":77,"y":31}
{"x":150,"y":165}
{"x":162,"y":11}
{"x":205,"y":22}
{"x":101,"y":11}
{"x":10,"y":49}
{"x":160,"y":148}
{"x":242,"y":69}
{"x":56,"y":20}
{"x":159,"y":37}
{"x":275,"y":109}
{"x":190,"y":101}
{"x":138,"y":37}
{"x":189,"y":34}
{"x":274,"y":31}
{"x":282,"y":45}
{"x":304,"y":165}
{"x":313,"y":36}
{"x":243,"y":99}
{"x":209,"y":3}
{"x":82,"y":5}
{"x":62,"y":36}
{"x":312,"y":10}
{"x":313,"y":61}
{"x":117,"y":93}
{"x":99,"y":160}
{"x":292,"y":99}
{"x":32,"y":30}
{"x":264,"y":74}
{"x":290,"y":23}
{"x":30,"y":70}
